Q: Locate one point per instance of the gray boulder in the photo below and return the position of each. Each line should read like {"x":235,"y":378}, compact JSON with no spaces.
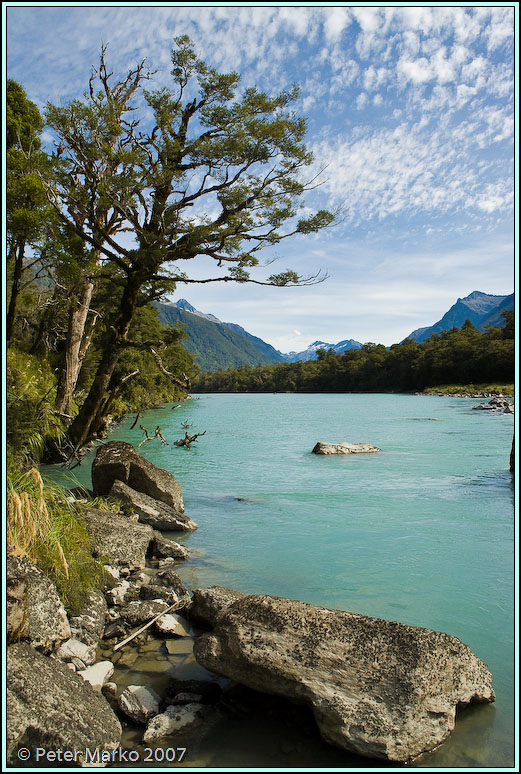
{"x":116,"y":539}
{"x":180,"y":719}
{"x":137,"y":613}
{"x":377,"y":688}
{"x":35,"y":612}
{"x":344,"y":448}
{"x":167,"y":585}
{"x":151,"y":511}
{"x":89,"y":624}
{"x":208,"y":604}
{"x":75,"y":649}
{"x":50,"y":706}
{"x":162,"y":548}
{"x":119,"y":461}
{"x":140,"y":703}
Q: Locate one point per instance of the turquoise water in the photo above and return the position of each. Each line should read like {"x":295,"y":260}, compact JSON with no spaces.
{"x":421,"y":533}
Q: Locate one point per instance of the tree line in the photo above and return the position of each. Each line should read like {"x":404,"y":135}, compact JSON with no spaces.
{"x":138,"y":183}
{"x":458,"y":356}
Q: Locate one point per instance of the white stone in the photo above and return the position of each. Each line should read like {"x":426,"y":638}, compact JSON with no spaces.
{"x":174,"y":720}
{"x":139,"y":702}
{"x":98,"y":674}
{"x":114,"y":571}
{"x":118,"y":593}
{"x":173,"y":624}
{"x":73,"y":648}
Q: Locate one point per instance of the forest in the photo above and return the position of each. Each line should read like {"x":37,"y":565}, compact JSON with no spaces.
{"x":459,"y":356}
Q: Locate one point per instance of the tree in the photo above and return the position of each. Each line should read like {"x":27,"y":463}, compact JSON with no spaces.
{"x":218,"y":175}
{"x":28,"y":212}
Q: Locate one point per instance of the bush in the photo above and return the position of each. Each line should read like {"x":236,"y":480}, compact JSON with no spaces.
{"x":44,"y":525}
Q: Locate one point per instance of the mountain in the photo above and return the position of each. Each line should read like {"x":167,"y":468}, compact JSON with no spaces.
{"x":494,"y":318}
{"x":311,"y":352}
{"x":476,"y":307}
{"x":214,"y":343}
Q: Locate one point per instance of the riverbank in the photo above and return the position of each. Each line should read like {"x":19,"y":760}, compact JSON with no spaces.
{"x":471,"y":390}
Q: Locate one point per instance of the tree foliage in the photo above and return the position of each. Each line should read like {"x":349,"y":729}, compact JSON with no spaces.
{"x":459,"y":356}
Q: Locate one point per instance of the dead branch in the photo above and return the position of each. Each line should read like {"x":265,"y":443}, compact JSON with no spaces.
{"x":157,"y":434}
{"x":188,"y":440}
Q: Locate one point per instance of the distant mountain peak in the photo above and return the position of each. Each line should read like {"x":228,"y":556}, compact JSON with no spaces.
{"x":182,"y":303}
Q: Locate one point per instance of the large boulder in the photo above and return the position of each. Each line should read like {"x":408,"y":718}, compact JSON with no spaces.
{"x":208,"y":604}
{"x":168,"y":586}
{"x":119,"y":461}
{"x":151,"y":511}
{"x":344,"y":448}
{"x":50,"y":706}
{"x":377,"y":688}
{"x":117,"y":539}
{"x":35,"y":612}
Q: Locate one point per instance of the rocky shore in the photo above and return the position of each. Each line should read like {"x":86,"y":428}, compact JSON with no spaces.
{"x":376,"y":688}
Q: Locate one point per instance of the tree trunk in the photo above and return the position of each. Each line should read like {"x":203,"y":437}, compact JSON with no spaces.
{"x":15,"y":290}
{"x":84,"y":424}
{"x":73,"y":356}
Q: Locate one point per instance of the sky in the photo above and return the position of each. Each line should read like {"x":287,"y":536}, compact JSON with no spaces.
{"x":410,"y":114}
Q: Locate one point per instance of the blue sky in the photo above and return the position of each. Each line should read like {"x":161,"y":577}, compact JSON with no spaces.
{"x":410,"y":117}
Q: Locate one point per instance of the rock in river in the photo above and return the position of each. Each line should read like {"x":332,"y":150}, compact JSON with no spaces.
{"x":119,"y":461}
{"x":377,"y":688}
{"x":151,"y":511}
{"x":344,"y":448}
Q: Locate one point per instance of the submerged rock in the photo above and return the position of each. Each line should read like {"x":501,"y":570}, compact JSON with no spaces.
{"x":50,"y":706}
{"x":151,"y":511}
{"x":177,"y":719}
{"x":35,"y":612}
{"x":140,"y":703}
{"x":344,"y":448}
{"x":377,"y":688}
{"x":119,"y":461}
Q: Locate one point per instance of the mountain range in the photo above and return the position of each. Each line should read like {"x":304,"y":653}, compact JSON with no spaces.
{"x":482,"y":309}
{"x":218,"y":344}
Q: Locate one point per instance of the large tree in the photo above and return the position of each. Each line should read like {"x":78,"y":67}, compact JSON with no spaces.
{"x":28,"y":212}
{"x":218,"y":173}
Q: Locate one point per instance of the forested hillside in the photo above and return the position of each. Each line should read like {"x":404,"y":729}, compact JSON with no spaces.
{"x":459,"y":356}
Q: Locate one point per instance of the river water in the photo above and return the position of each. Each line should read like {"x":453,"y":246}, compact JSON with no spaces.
{"x":421,"y":533}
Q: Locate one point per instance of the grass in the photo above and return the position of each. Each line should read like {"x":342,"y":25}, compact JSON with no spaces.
{"x":44,"y":525}
{"x":471,"y":389}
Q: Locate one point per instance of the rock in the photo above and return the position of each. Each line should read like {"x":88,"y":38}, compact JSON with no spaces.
{"x":149,"y":510}
{"x":114,"y":629}
{"x":98,"y":674}
{"x":119,"y":461}
{"x":110,"y":691}
{"x":177,"y":719}
{"x":118,"y":593}
{"x":140,"y":703}
{"x":167,"y":549}
{"x":171,"y":624}
{"x":89,"y":624}
{"x":377,"y":688}
{"x":117,"y":539}
{"x":35,"y":612}
{"x":209,"y":691}
{"x":167,"y":585}
{"x":74,"y":649}
{"x":137,"y":613}
{"x":49,"y":706}
{"x":497,"y":404}
{"x":208,"y":604}
{"x":113,"y":571}
{"x":344,"y":448}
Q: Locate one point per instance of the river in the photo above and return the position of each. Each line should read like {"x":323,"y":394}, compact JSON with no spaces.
{"x":421,"y":533}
